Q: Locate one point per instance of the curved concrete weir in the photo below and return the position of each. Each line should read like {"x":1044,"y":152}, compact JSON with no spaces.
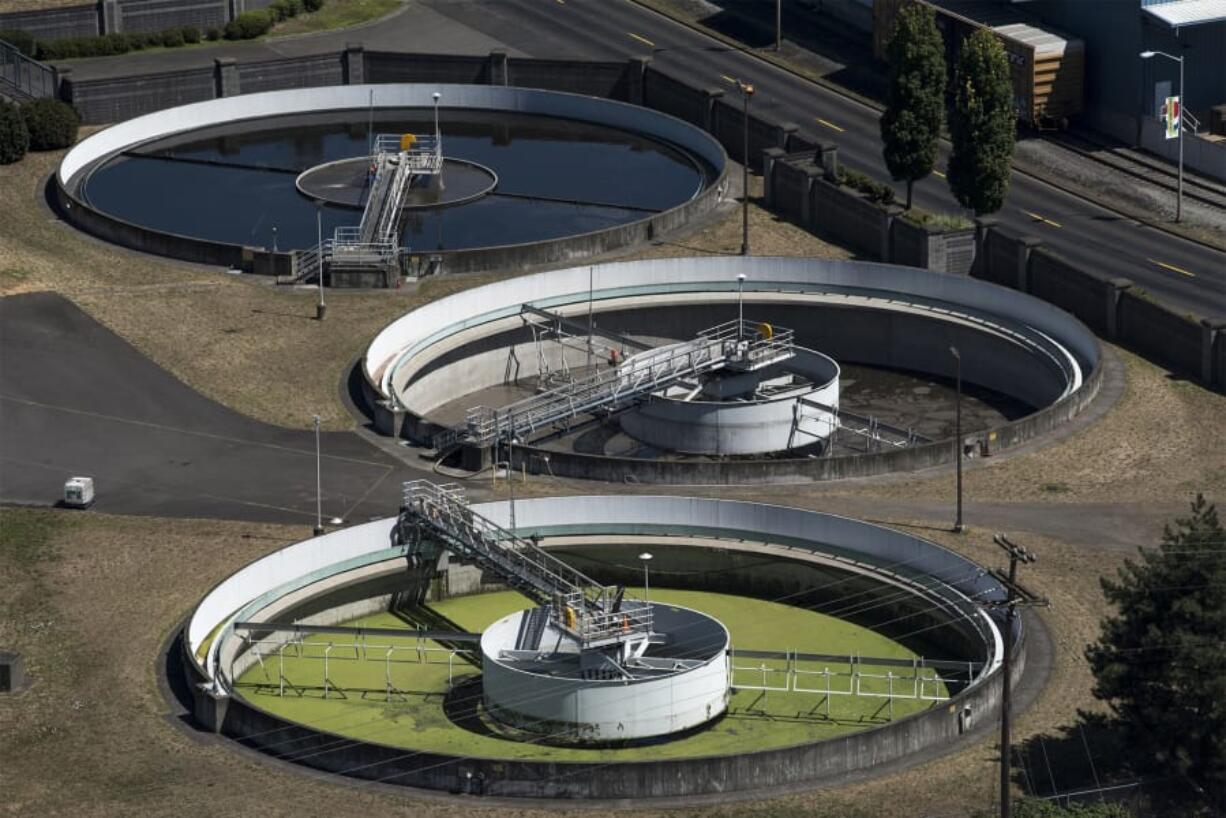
{"x":935,"y":590}
{"x":875,"y":315}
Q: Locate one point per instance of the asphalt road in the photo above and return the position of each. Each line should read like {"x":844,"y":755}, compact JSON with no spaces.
{"x":1183,"y":274}
{"x":75,"y":399}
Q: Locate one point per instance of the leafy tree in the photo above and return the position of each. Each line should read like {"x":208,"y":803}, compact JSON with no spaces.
{"x":983,"y":124}
{"x":915,"y":102}
{"x":1161,"y":660}
{"x":14,"y":138}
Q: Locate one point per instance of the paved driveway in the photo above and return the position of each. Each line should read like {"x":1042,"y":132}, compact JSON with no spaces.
{"x":75,"y":399}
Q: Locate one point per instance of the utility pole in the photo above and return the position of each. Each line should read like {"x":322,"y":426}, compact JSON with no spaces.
{"x":746,"y":93}
{"x":321,"y":309}
{"x":319,"y":497}
{"x":1016,"y":595}
{"x":591,"y":292}
{"x":778,"y":25}
{"x":958,"y":432}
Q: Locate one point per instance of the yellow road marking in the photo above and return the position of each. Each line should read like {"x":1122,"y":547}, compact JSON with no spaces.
{"x":561,"y":2}
{"x":641,"y":39}
{"x":1043,"y":219}
{"x":829,"y":124}
{"x":1173,"y":268}
{"x":938,"y":173}
{"x":730,"y":79}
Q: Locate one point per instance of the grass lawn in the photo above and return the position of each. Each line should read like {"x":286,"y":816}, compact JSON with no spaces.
{"x":414,"y":719}
{"x":335,"y":14}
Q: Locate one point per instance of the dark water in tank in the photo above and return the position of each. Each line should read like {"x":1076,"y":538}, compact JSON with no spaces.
{"x":556,"y":178}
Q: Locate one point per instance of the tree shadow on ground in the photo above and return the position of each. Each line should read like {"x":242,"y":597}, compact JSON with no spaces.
{"x":1091,"y":761}
{"x":842,"y":54}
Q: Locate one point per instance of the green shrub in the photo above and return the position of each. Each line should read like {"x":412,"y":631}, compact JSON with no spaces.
{"x":285,"y":9}
{"x":213,"y":34}
{"x":312,"y":5}
{"x":52,"y":124}
{"x":23,"y":41}
{"x":191,"y":34}
{"x":876,"y":191}
{"x":249,"y":25}
{"x":14,"y":138}
{"x":112,"y":44}
{"x":172,"y":38}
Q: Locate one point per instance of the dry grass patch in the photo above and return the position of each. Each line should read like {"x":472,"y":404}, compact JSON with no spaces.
{"x":243,"y":341}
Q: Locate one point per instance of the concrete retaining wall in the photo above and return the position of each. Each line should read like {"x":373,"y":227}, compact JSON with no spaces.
{"x":950,"y":251}
{"x":671,"y":95}
{"x":326,"y":69}
{"x":156,"y":15}
{"x":1159,"y":334}
{"x":1110,"y":306}
{"x":798,"y":186}
{"x":51,"y":24}
{"x":598,"y":79}
{"x":120,"y":98}
{"x":1057,"y":281}
{"x":386,"y":66}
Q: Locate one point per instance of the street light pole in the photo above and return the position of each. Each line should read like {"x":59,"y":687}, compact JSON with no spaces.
{"x":746,"y":93}
{"x":319,"y":503}
{"x":1183,"y":104}
{"x":646,"y":558}
{"x":778,"y":25}
{"x":958,"y":431}
{"x":740,"y":306}
{"x":321,"y":309}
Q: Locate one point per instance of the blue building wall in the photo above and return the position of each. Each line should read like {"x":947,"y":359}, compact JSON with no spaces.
{"x":1120,"y":87}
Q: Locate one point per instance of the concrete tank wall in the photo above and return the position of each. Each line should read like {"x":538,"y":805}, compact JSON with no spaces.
{"x":961,"y":583}
{"x":599,"y":710}
{"x":737,"y":428}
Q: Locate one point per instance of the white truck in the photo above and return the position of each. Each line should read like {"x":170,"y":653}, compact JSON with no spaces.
{"x":79,"y":492}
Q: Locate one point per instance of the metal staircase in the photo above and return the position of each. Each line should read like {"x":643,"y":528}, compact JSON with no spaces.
{"x":593,"y":614}
{"x":736,"y":345}
{"x":375,"y":243}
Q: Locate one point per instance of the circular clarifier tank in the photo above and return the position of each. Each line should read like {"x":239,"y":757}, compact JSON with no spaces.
{"x":510,"y":177}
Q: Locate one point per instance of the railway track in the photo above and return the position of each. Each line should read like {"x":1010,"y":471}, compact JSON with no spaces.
{"x":1140,"y":166}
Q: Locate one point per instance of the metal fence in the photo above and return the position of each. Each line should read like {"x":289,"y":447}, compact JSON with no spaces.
{"x":23,"y":75}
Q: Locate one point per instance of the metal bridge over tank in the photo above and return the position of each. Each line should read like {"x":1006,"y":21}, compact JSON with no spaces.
{"x":398,"y":161}
{"x":734,"y":346}
{"x":572,"y":604}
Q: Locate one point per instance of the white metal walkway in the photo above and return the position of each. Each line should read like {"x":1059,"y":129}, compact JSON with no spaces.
{"x":375,"y":243}
{"x":736,"y":345}
{"x":593,"y":614}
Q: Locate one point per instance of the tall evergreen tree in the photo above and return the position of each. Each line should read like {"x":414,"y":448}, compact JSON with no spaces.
{"x":1160,"y":662}
{"x":983,"y":124}
{"x":915,"y":102}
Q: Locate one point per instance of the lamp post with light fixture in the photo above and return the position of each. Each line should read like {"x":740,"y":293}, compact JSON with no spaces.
{"x":1146,"y":55}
